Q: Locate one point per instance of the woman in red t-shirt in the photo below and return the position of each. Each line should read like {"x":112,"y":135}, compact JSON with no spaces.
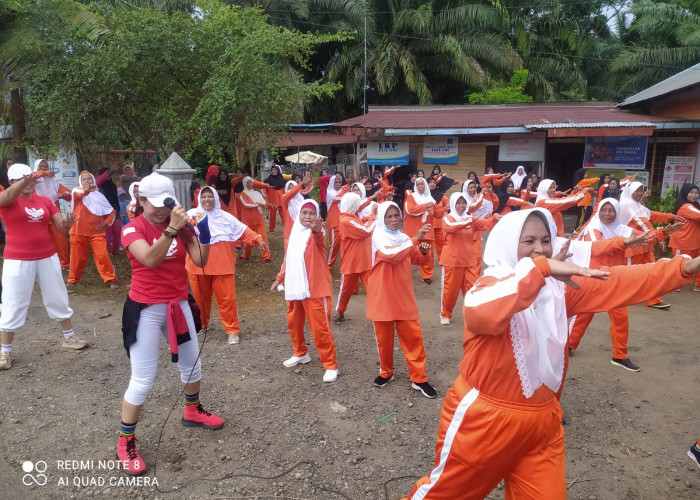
{"x":30,"y":257}
{"x":157,"y":243}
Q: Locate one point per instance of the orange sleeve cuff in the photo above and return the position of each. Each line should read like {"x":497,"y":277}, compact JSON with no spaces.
{"x":542,"y":264}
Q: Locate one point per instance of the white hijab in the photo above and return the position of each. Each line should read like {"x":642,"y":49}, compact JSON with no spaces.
{"x":95,"y":202}
{"x":133,"y":196}
{"x":629,"y":209}
{"x":46,"y":186}
{"x":477,"y":206}
{"x":350,"y":203}
{"x":542,"y":188}
{"x":424,"y":198}
{"x":538,"y":333}
{"x":222,"y":225}
{"x":518,"y":177}
{"x":608,"y":230}
{"x":252,"y":194}
{"x":384,"y":240}
{"x":367,"y":211}
{"x":296,"y":202}
{"x":331,"y":191}
{"x":296,"y":282}
{"x":454,"y":197}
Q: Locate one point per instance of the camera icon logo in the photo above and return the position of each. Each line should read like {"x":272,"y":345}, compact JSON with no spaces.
{"x":38,"y":468}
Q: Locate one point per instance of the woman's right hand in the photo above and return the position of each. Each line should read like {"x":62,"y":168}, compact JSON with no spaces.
{"x":178,"y":218}
{"x":564,"y":271}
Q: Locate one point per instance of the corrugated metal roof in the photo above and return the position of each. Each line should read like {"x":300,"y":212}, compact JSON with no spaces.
{"x":686,"y":78}
{"x":313,"y":139}
{"x":591,"y":125}
{"x":496,"y":116}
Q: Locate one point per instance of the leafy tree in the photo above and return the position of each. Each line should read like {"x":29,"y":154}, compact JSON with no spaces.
{"x":502,"y":95}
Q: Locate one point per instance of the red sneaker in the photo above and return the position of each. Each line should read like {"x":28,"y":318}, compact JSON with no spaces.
{"x":196,"y":416}
{"x":131,"y":461}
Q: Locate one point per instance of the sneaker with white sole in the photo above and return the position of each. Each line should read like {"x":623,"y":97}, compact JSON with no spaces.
{"x":280,"y":287}
{"x":330,"y":376}
{"x":694,"y":453}
{"x":425,"y":389}
{"x":5,"y":360}
{"x":382,"y":381}
{"x":445,"y":321}
{"x":74,"y":342}
{"x":661,"y":305}
{"x":233,"y":338}
{"x":625,"y":363}
{"x":696,"y":288}
{"x":295,"y":360}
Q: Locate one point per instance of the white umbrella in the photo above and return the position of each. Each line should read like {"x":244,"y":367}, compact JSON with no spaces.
{"x":307,"y":157}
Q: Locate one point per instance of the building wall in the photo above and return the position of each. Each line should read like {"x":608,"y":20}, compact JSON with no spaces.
{"x":681,"y":105}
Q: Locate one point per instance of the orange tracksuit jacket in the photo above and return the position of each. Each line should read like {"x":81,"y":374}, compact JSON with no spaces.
{"x":391,"y":301}
{"x":333,"y":224}
{"x":356,"y":257}
{"x":687,"y":239}
{"x":413,"y":221}
{"x":437,"y":226}
{"x":513,"y":202}
{"x":556,"y":206}
{"x":488,"y":429}
{"x":218,"y":278}
{"x":316,"y":309}
{"x":460,"y":269}
{"x":250,"y":216}
{"x":83,"y":236}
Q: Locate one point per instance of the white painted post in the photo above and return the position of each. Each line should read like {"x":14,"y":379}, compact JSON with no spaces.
{"x":178,"y":171}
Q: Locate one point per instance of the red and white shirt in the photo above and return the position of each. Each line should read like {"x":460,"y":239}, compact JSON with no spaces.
{"x":27,"y":222}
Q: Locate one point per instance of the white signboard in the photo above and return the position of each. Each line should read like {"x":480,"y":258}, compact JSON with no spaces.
{"x":520,"y":148}
{"x":441,"y":149}
{"x":677,"y":171}
{"x":389,"y":152}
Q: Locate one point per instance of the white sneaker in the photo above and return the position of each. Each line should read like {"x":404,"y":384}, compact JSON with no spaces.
{"x":5,"y":360}
{"x":233,"y":338}
{"x":445,"y":321}
{"x":295,"y":360}
{"x":330,"y":376}
{"x":280,"y":287}
{"x":74,"y":342}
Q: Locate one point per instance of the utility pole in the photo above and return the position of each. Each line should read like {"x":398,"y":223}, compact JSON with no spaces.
{"x":364,"y":87}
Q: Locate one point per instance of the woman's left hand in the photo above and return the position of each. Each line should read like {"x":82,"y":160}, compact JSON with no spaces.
{"x":68,"y":222}
{"x":564,"y":271}
{"x":263,"y":246}
{"x":424,"y":247}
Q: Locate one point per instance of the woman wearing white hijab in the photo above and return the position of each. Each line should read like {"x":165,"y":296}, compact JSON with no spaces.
{"x":605,"y":225}
{"x":478,"y":208}
{"x":49,"y":187}
{"x":252,"y":204}
{"x":307,"y":289}
{"x":218,"y":276}
{"x":518,"y":177}
{"x":134,"y":208}
{"x":501,"y":418}
{"x":334,"y":192}
{"x":546,"y":191}
{"x":420,"y":208}
{"x":391,"y":301}
{"x":93,"y":213}
{"x":634,"y":214}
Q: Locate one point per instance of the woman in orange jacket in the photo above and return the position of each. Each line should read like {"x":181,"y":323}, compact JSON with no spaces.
{"x":687,"y":239}
{"x":605,"y":225}
{"x":218,"y":275}
{"x":334,"y":192}
{"x":421,"y":209}
{"x":224,"y":188}
{"x":444,"y":202}
{"x":393,"y":252}
{"x":501,"y":419}
{"x":307,"y":289}
{"x":252,"y":203}
{"x":93,"y":214}
{"x":49,"y":187}
{"x":460,"y":270}
{"x":356,"y":251}
{"x":546,"y":192}
{"x":634,"y":214}
{"x":134,"y":208}
{"x":275,"y":190}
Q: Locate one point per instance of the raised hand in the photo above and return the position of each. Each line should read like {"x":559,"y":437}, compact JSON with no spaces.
{"x":672,"y":228}
{"x":563,"y":253}
{"x":423,"y":231}
{"x":641,"y":239}
{"x":564,"y":271}
{"x":424,"y":247}
{"x":317,"y":226}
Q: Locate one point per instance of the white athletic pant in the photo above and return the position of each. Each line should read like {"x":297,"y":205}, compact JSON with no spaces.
{"x":153,"y":324}
{"x":18,"y":278}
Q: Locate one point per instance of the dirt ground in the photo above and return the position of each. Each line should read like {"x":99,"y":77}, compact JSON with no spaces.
{"x":290,"y":436}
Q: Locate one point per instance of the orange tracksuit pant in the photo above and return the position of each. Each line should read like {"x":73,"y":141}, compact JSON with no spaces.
{"x":455,"y":280}
{"x":60,"y":242}
{"x":427,"y":269}
{"x":439,"y":241}
{"x":349,"y":284}
{"x":272,"y":216}
{"x":619,"y":330}
{"x":317,"y":312}
{"x":79,"y":248}
{"x":333,"y":246}
{"x":646,"y":258}
{"x":411,"y":340}
{"x":223,"y":287}
{"x":260,"y":229}
{"x":482,"y":440}
{"x":693,"y":254}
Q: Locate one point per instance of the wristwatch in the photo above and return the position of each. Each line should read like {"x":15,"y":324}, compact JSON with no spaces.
{"x":169,"y":234}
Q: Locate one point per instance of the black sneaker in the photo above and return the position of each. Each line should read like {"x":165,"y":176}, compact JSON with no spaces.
{"x":625,"y":363}
{"x":661,"y":305}
{"x":425,"y":389}
{"x":427,"y":281}
{"x":694,"y":453}
{"x":381,"y":381}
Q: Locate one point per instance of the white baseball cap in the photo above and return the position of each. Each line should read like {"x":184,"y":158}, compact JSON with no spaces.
{"x":156,"y":188}
{"x":17,"y":171}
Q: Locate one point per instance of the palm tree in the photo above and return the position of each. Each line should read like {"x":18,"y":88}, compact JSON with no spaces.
{"x":663,"y":39}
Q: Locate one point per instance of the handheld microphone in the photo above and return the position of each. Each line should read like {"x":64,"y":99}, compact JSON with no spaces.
{"x":170,"y":203}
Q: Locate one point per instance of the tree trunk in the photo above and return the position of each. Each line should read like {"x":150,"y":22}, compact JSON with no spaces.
{"x":18,"y":116}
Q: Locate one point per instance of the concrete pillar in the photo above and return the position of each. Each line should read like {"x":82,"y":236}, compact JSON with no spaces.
{"x":178,"y":171}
